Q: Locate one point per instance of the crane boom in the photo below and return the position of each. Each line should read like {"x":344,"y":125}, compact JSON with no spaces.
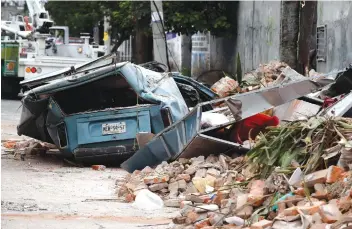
{"x":23,"y":34}
{"x":40,"y":16}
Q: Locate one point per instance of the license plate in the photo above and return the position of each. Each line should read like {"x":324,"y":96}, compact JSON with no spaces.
{"x":114,"y":128}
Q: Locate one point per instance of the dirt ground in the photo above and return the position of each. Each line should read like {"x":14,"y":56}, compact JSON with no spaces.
{"x":45,"y":192}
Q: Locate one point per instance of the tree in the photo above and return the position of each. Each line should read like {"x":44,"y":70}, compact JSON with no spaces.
{"x":190,"y":17}
{"x":79,"y":16}
{"x":128,"y":17}
{"x":82,"y":16}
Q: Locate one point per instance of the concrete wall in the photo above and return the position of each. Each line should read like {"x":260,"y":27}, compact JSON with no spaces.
{"x":337,"y":16}
{"x":258,"y":32}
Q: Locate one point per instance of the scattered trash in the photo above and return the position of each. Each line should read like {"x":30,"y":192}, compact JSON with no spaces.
{"x":147,"y":200}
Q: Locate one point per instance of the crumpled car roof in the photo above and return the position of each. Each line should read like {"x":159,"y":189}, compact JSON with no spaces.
{"x":158,"y":88}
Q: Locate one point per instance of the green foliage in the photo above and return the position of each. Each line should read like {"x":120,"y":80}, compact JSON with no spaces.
{"x":189,"y":17}
{"x":184,"y":17}
{"x":186,"y":71}
{"x":79,"y":16}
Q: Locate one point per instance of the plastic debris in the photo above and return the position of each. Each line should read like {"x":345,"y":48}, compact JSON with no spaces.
{"x":147,"y":200}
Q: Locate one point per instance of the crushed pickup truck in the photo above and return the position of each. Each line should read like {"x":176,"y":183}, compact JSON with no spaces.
{"x":108,"y":110}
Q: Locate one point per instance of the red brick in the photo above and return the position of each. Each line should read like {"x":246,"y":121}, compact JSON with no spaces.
{"x":130,"y":197}
{"x":185,"y":177}
{"x":257,"y":192}
{"x":156,"y":179}
{"x":299,"y":191}
{"x":191,"y":217}
{"x":202,"y":224}
{"x":98,"y":167}
{"x":334,"y":174}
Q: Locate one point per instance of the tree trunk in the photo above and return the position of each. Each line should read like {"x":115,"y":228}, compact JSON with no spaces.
{"x":289,"y":32}
{"x":306,"y":35}
{"x":186,"y":55}
{"x":143,"y":51}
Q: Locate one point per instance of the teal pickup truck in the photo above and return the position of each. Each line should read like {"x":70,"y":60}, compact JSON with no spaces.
{"x":96,"y":113}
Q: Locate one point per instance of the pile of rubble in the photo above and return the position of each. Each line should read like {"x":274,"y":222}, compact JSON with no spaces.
{"x":27,"y":148}
{"x":266,"y":74}
{"x":220,"y":191}
{"x":272,"y":73}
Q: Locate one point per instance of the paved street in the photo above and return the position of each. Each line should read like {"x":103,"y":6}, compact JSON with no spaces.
{"x":10,"y":116}
{"x":45,"y":192}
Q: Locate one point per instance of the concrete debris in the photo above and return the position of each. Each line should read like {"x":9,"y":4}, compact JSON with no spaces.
{"x":27,"y":148}
{"x":238,"y":201}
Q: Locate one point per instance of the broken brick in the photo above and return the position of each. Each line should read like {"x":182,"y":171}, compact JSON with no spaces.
{"x":173,"y":187}
{"x":156,"y":179}
{"x":98,"y":167}
{"x":191,"y":217}
{"x":201,"y":173}
{"x":179,"y":220}
{"x":191,"y":170}
{"x":235,"y":220}
{"x":185,"y":202}
{"x":281,"y":207}
{"x":182,"y":185}
{"x":130,"y":197}
{"x":334,"y":174}
{"x":219,"y":182}
{"x":213,"y":172}
{"x":202,"y":224}
{"x":292,"y":211}
{"x":207,"y":207}
{"x":316,"y":177}
{"x":157,"y":187}
{"x":245,"y":212}
{"x":185,"y":177}
{"x":329,"y":213}
{"x":147,"y":170}
{"x":257,"y":192}
{"x":344,"y":203}
{"x":319,"y":226}
{"x":216,"y":219}
{"x":174,"y":203}
{"x":299,"y":192}
{"x":262,"y":224}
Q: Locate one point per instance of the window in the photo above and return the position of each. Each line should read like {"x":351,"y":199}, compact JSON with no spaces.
{"x":321,"y":43}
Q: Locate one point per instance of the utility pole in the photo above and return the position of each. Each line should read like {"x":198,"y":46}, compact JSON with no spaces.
{"x":159,"y":43}
{"x":107,"y":37}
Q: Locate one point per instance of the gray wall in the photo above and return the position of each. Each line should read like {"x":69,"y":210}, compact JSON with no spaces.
{"x":258,"y":35}
{"x":337,"y":16}
{"x":257,"y":40}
